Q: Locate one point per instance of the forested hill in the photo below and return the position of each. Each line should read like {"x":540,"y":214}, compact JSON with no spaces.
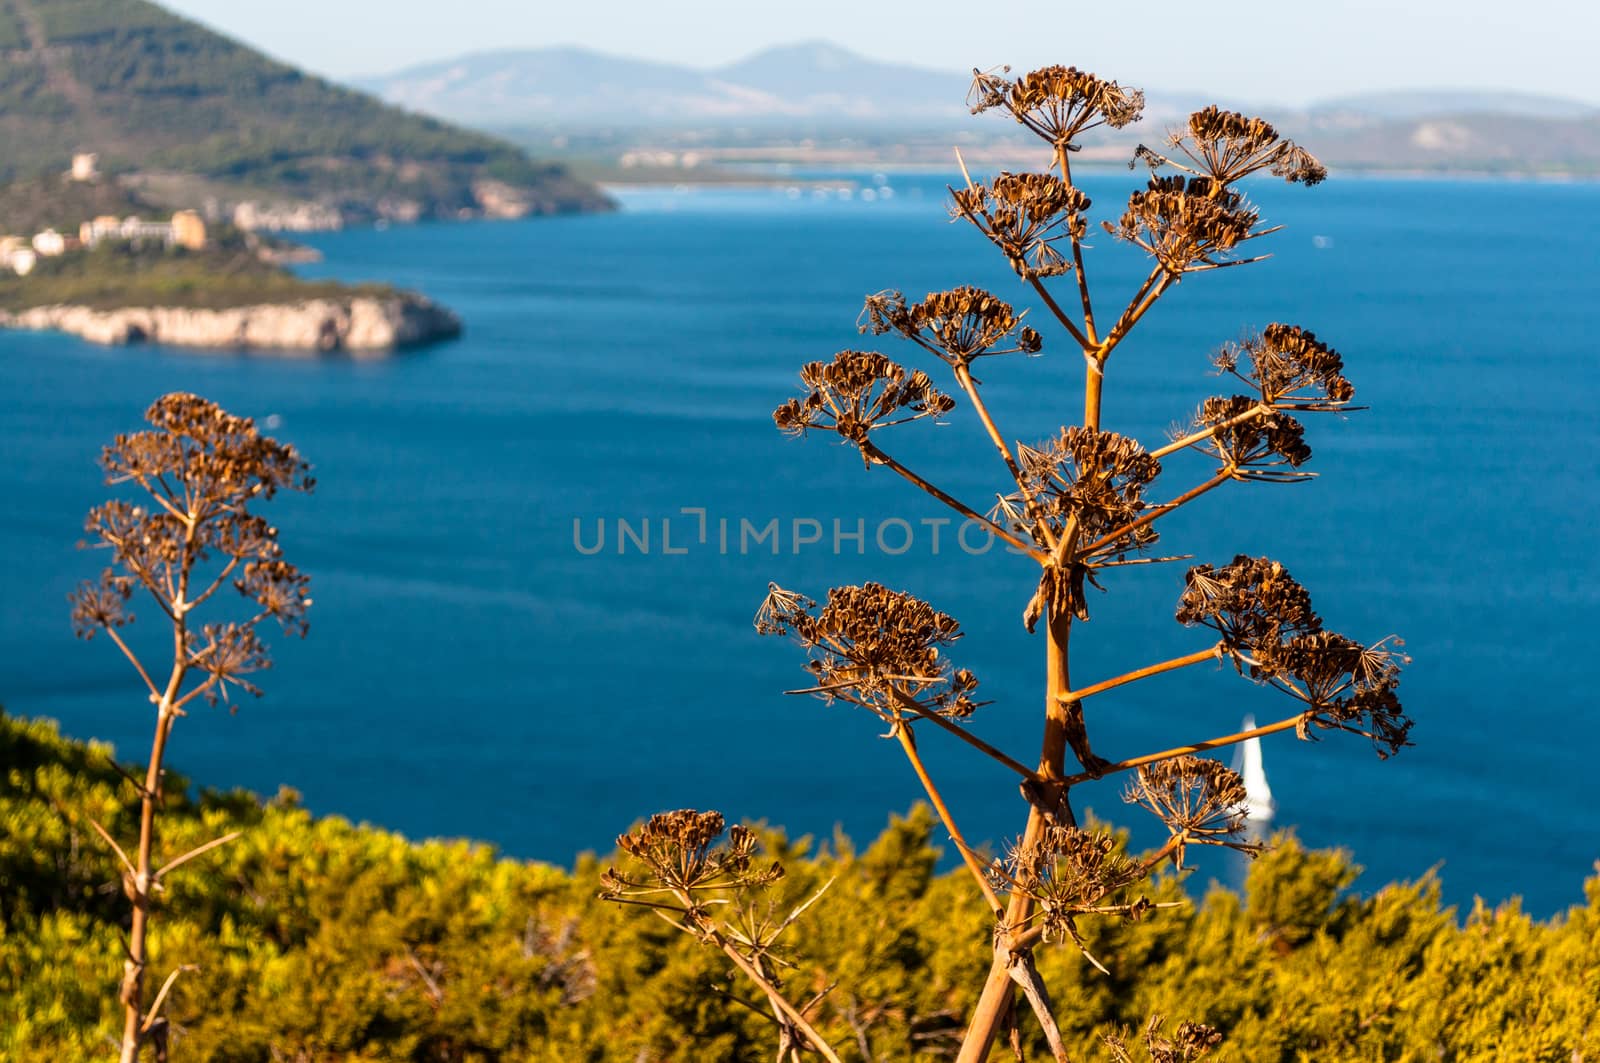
{"x":187,"y":114}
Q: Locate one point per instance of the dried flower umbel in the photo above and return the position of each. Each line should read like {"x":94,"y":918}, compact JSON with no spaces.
{"x":188,"y":540}
{"x":717,"y":892}
{"x":1085,"y":501}
{"x":1191,"y":1042}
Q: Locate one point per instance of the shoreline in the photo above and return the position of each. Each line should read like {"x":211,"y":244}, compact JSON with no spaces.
{"x":359,"y":325}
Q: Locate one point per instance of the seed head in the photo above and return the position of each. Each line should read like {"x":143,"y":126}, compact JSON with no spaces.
{"x":1026,"y":215}
{"x":1256,"y":445}
{"x":858,"y":392}
{"x":1185,"y":224}
{"x":876,"y":648}
{"x":680,"y":856}
{"x":1058,"y":103}
{"x":1069,"y":872}
{"x":958,"y":325}
{"x":1199,"y":800}
{"x":1193,"y":1041}
{"x":1290,"y":368}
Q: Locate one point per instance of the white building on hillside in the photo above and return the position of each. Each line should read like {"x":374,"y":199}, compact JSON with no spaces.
{"x":132,"y":228}
{"x":17,"y":256}
{"x":50,"y":243}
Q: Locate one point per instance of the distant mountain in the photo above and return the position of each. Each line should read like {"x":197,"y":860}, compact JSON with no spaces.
{"x":1437,"y":103}
{"x":185,"y":113}
{"x":853,"y":107}
{"x":817,"y":82}
{"x":576,"y":87}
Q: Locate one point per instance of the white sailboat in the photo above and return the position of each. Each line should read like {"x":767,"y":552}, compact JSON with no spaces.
{"x":1258,"y":803}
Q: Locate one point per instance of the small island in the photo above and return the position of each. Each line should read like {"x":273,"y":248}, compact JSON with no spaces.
{"x":124,"y":276}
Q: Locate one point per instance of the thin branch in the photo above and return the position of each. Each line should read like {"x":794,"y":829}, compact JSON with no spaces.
{"x":964,"y":377}
{"x":197,"y":851}
{"x":434,"y":992}
{"x":233,"y":563}
{"x":1198,"y":747}
{"x":161,"y":995}
{"x":1061,"y":315}
{"x":132,"y":659}
{"x":1206,"y":433}
{"x":908,"y":743}
{"x":973,"y":740}
{"x":1137,"y":308}
{"x":210,"y":681}
{"x":1157,"y":512}
{"x":1025,"y":974}
{"x":1198,"y":657}
{"x":109,"y":840}
{"x":778,"y":1000}
{"x":1077,"y":256}
{"x":878,"y":455}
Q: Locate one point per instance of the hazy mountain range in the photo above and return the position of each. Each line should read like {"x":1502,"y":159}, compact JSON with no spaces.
{"x":817,"y":86}
{"x":190,"y":115}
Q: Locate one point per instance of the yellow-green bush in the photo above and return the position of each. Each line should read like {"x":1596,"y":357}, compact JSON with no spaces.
{"x":320,"y":941}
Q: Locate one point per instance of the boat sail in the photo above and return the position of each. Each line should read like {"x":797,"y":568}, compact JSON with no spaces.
{"x":1258,"y":803}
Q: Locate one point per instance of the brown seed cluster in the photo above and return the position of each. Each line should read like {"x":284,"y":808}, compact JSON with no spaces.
{"x":957,"y":326}
{"x":1057,"y":103}
{"x":1192,"y":1041}
{"x":1228,"y":146}
{"x":200,"y":469}
{"x":1096,"y":479}
{"x":874,"y":647}
{"x":1251,"y":602}
{"x":1070,"y":872}
{"x":1267,"y":625}
{"x":1290,"y":368}
{"x":1199,"y":800}
{"x":1093,"y":482}
{"x":857,"y":392}
{"x":1255,"y":445}
{"x":680,"y":856}
{"x":1185,"y":224}
{"x":1026,"y":215}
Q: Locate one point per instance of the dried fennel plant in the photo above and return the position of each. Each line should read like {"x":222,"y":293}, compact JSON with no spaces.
{"x":1082,"y":504}
{"x":715,"y":894}
{"x":190,"y":535}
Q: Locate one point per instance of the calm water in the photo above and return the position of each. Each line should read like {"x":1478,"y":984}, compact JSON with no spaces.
{"x":469,"y":672}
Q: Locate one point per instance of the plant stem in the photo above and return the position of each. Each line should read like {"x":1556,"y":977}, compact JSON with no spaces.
{"x":1077,"y":259}
{"x":996,"y":998}
{"x":1197,"y":657}
{"x":1198,"y":747}
{"x":1157,"y":512}
{"x":776,"y":998}
{"x":1060,"y":315}
{"x":877,"y":454}
{"x":964,"y":377}
{"x":139,"y":889}
{"x":908,"y":742}
{"x":1206,"y":433}
{"x":974,"y":741}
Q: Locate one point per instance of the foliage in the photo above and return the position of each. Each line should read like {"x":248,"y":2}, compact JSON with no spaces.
{"x":319,"y":941}
{"x":116,"y":275}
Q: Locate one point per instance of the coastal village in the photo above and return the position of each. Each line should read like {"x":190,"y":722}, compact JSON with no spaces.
{"x":21,"y":254}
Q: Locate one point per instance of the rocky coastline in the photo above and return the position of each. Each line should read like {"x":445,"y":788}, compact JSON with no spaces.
{"x":359,"y":325}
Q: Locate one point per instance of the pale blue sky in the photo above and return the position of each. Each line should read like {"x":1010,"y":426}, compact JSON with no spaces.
{"x":1285,"y":51}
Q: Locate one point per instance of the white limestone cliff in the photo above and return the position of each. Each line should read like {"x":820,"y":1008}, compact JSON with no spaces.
{"x":358,"y":325}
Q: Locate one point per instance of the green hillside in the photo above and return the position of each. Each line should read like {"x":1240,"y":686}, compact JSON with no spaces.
{"x":319,"y":941}
{"x":155,"y":94}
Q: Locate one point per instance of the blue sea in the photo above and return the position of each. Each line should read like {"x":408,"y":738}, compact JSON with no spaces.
{"x":476,"y":667}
